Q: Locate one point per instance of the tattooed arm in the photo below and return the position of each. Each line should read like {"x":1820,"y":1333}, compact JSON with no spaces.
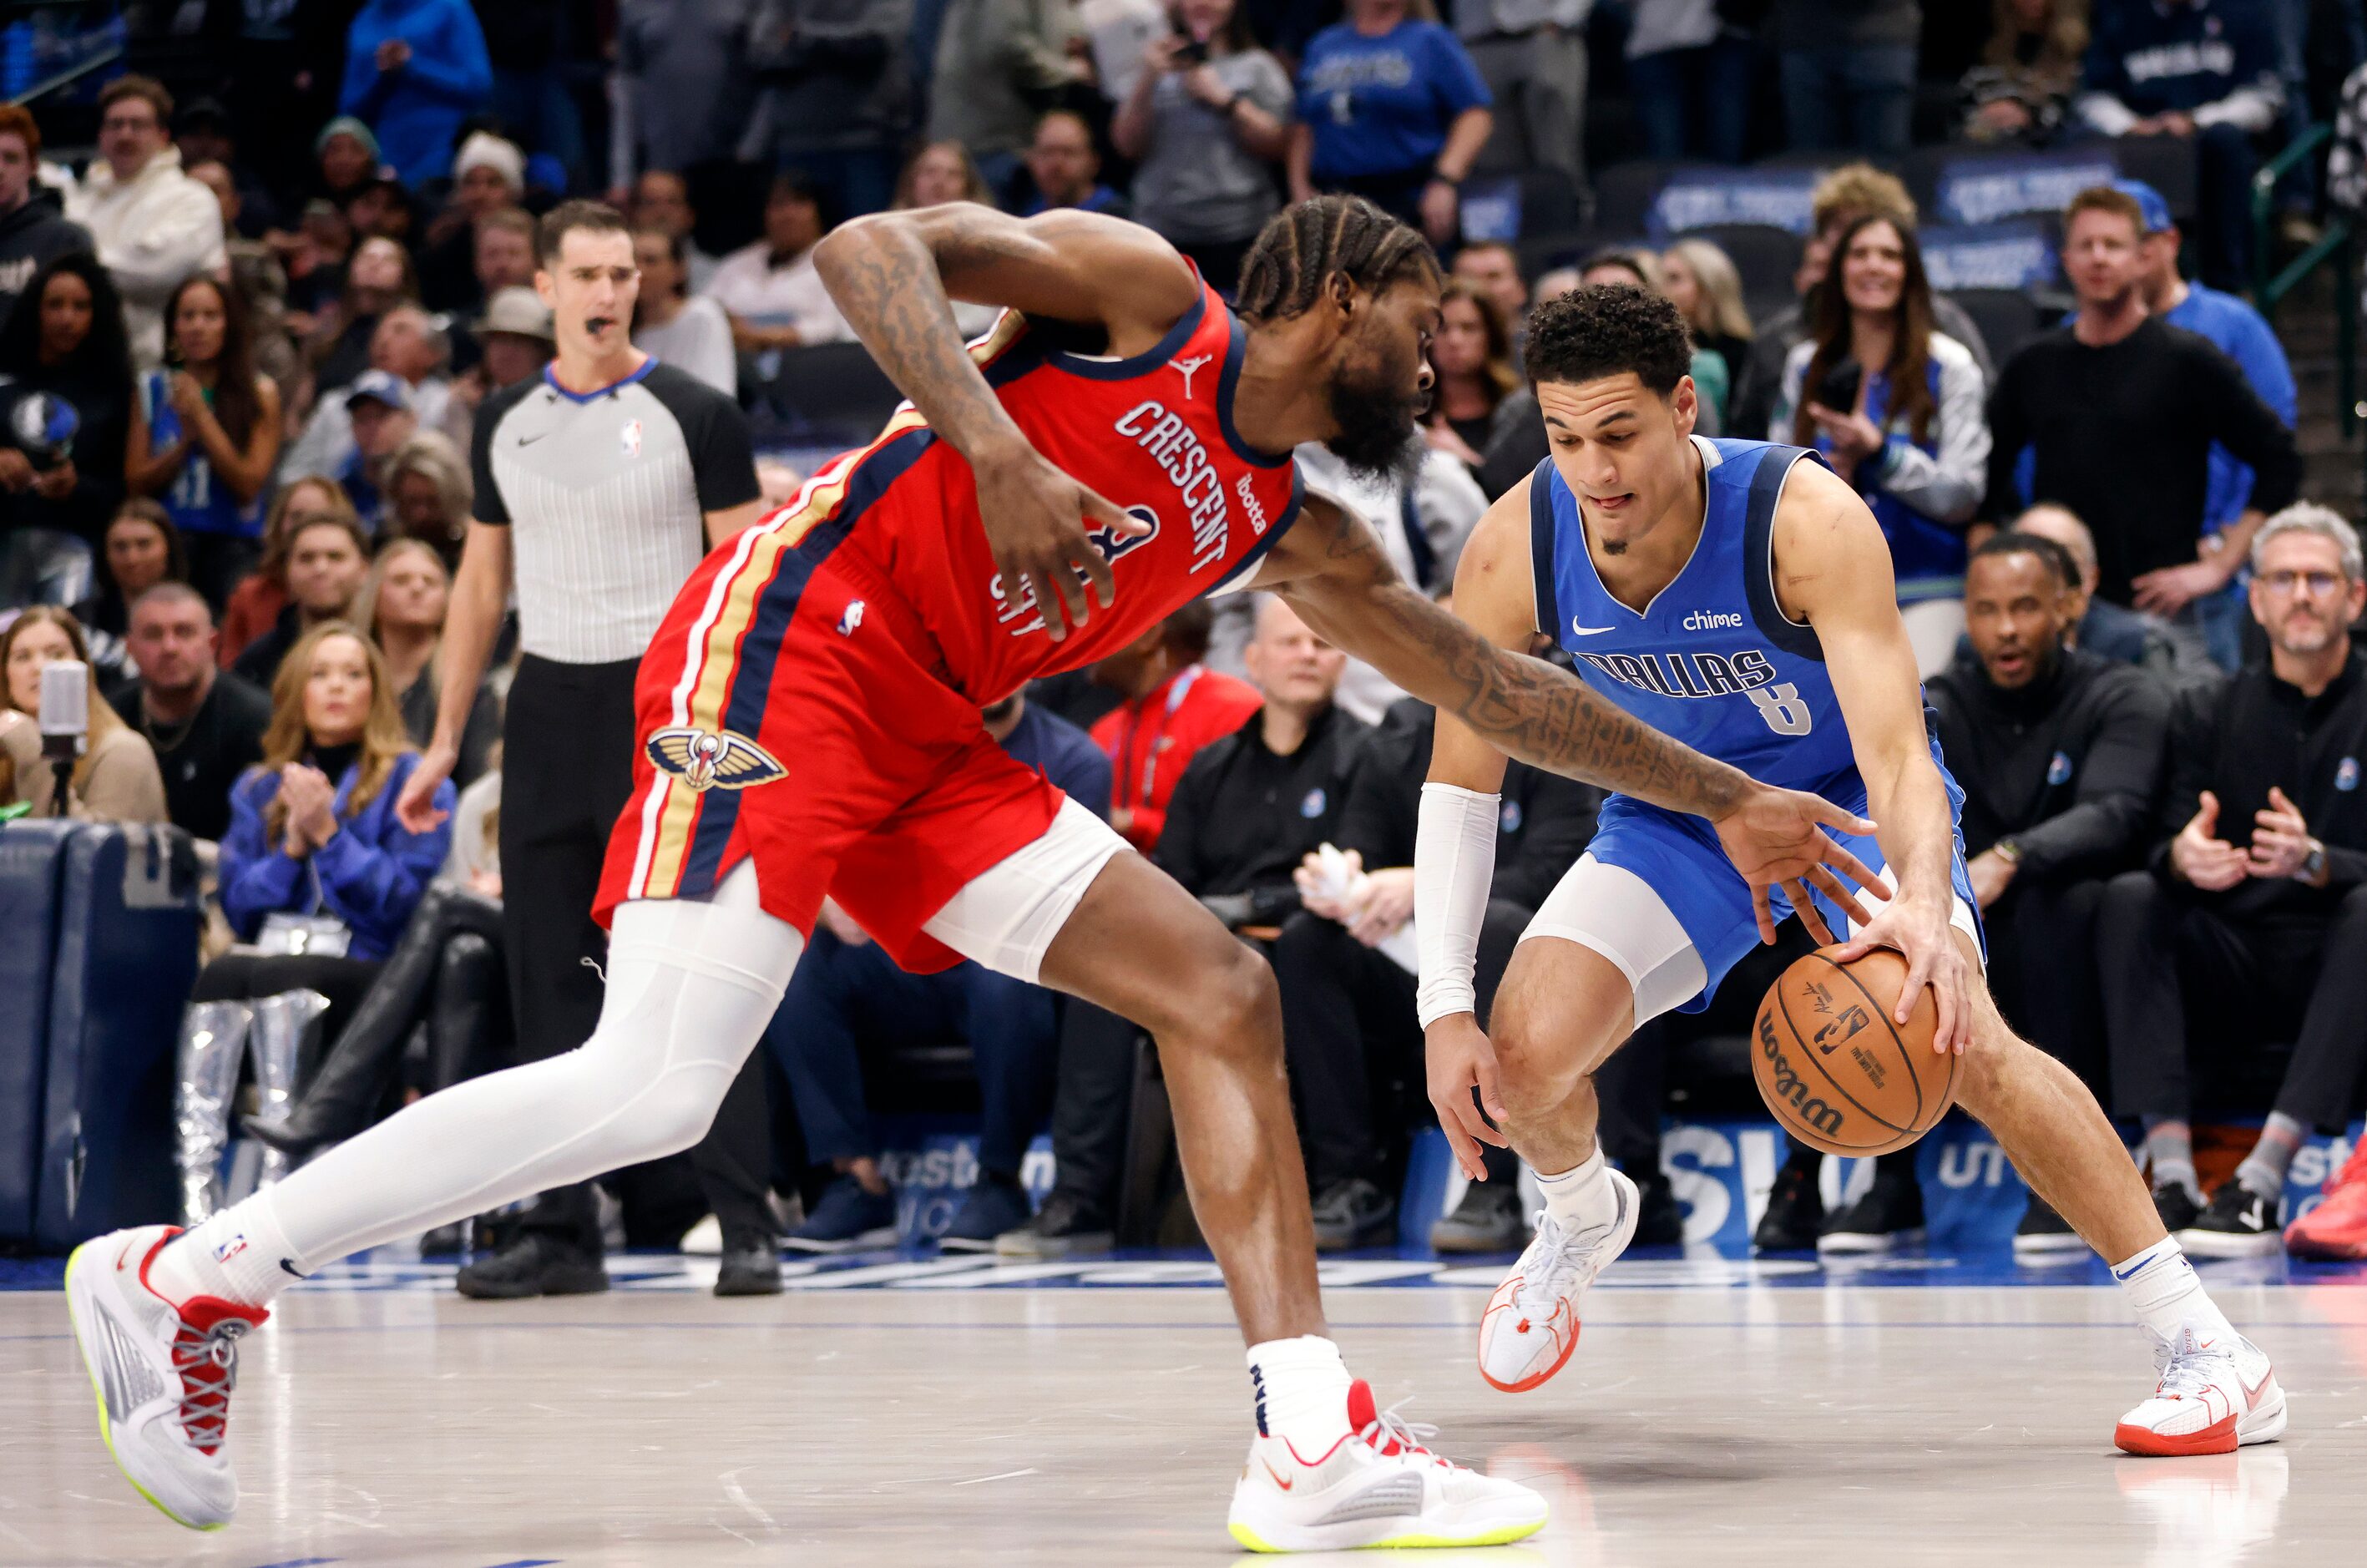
{"x":1332,"y":569}
{"x":894,"y":276}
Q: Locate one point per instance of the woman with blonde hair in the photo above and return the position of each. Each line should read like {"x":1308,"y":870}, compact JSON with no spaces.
{"x":255,"y":604}
{"x":402,"y":606}
{"x":1700,"y":279}
{"x":116,"y":779}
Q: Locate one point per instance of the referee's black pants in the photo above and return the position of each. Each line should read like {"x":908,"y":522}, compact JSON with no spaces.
{"x":567,"y":772}
{"x":2170,"y":958}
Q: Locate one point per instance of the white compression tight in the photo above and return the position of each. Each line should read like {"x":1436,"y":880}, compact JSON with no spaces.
{"x":691,"y":985}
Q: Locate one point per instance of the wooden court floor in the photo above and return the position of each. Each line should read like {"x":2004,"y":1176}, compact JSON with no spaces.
{"x":1732,"y":1422}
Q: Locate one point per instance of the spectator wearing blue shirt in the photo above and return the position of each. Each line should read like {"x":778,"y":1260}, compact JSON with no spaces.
{"x":2244,"y":335}
{"x":1066,"y":170}
{"x":2201,"y":68}
{"x":1391,"y":108}
{"x":414,"y":69}
{"x":846,"y":991}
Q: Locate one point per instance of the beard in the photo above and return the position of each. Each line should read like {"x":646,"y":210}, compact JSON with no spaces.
{"x":2305,"y":635}
{"x":1377,"y":424}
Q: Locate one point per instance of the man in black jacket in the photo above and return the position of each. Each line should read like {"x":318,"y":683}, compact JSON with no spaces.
{"x":1348,"y":1023}
{"x":2252,"y":920}
{"x":1247,"y":811}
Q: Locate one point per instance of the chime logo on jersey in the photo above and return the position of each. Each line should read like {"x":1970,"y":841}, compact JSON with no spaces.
{"x":1106,"y":541}
{"x":709,"y":759}
{"x":1687,"y":674}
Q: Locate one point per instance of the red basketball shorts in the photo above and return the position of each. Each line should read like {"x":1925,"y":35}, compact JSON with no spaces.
{"x":791,"y":710}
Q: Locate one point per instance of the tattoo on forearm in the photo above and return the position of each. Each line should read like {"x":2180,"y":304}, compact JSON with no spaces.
{"x":892,"y":293}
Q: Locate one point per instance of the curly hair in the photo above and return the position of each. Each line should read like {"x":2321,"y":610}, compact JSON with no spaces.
{"x":1304,"y":245}
{"x":1608,"y":329}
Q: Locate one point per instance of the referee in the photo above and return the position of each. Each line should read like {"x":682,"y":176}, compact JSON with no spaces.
{"x":600,"y":486}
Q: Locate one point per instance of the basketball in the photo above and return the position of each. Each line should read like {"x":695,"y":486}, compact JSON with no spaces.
{"x":1835,"y":1069}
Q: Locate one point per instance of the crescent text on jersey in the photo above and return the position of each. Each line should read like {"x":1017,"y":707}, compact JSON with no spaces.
{"x":1162,"y":433}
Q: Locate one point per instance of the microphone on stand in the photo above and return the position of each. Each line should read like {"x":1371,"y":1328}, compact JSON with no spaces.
{"x":65,"y":721}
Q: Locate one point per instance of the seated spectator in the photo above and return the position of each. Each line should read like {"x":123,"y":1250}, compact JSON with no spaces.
{"x":1840,"y":198}
{"x":116,"y":778}
{"x":378,"y":279}
{"x":1064,"y":170}
{"x":402,"y":606}
{"x":415,"y":70}
{"x":1250,"y":807}
{"x":328,"y":558}
{"x":2029,"y":69}
{"x":501,"y":256}
{"x":1348,"y":1021}
{"x":2250,"y":927}
{"x":344,"y":158}
{"x":2120,"y":409}
{"x":255,"y":604}
{"x":2060,"y":756}
{"x":770,"y":290}
{"x":1478,"y":396}
{"x":488,"y":179}
{"x":1390,"y":108}
{"x":1847,"y":74}
{"x":661,"y":200}
{"x":316,"y":871}
{"x":998,"y":63}
{"x":2201,"y":68}
{"x":382,"y":416}
{"x":1641,"y":269}
{"x":1692,"y":74}
{"x":1172,"y":705}
{"x":203,"y":132}
{"x":410,"y":354}
{"x":847,"y":995}
{"x":688,"y":330}
{"x":939,"y":173}
{"x":142,"y":549}
{"x":151,"y":224}
{"x":204,"y":724}
{"x":314,"y":256}
{"x":1897,"y":407}
{"x":514,"y":343}
{"x":259,"y":280}
{"x":2100,"y":626}
{"x":33,"y":232}
{"x":204,"y":436}
{"x":1206,"y":122}
{"x":2229,"y":324}
{"x":427,"y":492}
{"x":64,"y":337}
{"x":1494,"y":268}
{"x":1701,"y":281}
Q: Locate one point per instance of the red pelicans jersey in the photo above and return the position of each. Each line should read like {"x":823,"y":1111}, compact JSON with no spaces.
{"x":813,"y":697}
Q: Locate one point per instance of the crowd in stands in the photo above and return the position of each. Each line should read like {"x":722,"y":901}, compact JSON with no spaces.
{"x":241,"y":371}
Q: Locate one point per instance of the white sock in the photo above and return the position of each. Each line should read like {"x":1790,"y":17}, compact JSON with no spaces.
{"x":1582,"y":1197}
{"x":1302,"y":1393}
{"x":241,"y":1254}
{"x":2162,"y":1288}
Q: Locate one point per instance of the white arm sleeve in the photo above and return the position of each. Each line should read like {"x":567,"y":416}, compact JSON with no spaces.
{"x":1454,"y":863}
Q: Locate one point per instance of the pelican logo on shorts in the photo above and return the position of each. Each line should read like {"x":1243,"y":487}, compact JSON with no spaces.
{"x":705,"y":759}
{"x":632,"y":435}
{"x":2346,"y":774}
{"x":2058,"y":769}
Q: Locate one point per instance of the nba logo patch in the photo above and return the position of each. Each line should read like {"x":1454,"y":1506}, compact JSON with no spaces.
{"x":2058,"y":770}
{"x":1509,"y":818}
{"x":850,"y":618}
{"x":2346,"y":777}
{"x":632,"y":435}
{"x":225,"y":1251}
{"x":1312,"y":806}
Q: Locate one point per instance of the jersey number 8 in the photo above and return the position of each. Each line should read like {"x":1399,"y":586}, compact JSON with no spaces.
{"x":1782,"y":707}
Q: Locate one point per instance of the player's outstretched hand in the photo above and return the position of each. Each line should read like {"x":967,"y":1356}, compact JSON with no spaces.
{"x":1460,"y":1060}
{"x":1921,"y":933}
{"x":1037,"y":519}
{"x":1777,"y":839}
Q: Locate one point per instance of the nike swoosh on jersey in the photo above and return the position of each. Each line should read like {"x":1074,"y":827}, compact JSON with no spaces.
{"x":1590,"y":630}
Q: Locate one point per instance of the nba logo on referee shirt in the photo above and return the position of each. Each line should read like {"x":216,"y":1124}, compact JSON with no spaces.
{"x":631,"y":436}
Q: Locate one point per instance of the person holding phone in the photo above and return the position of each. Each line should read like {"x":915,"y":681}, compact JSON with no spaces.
{"x":1896,"y":406}
{"x":1206,"y":122}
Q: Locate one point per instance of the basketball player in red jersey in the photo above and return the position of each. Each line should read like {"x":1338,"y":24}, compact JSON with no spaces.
{"x":1117,"y":446}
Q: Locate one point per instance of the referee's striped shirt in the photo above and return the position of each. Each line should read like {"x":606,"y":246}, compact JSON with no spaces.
{"x":605,"y":495}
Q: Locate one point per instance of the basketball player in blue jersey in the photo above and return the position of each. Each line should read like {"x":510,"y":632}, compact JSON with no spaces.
{"x":1736,"y":596}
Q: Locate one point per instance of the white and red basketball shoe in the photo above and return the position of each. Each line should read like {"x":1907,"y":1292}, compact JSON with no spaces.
{"x":163,"y":1373}
{"x":1530,"y":1323}
{"x":1377,"y":1486}
{"x":2214,"y":1395}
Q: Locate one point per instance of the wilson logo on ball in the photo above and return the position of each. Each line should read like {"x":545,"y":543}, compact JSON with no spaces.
{"x":1789,"y":1087}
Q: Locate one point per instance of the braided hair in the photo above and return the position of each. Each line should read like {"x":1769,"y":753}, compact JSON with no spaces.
{"x":1302,"y":245}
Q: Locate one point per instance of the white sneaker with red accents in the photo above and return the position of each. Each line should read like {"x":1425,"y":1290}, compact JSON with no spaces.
{"x":1531,"y":1325}
{"x":163,"y":1373}
{"x":2214,"y":1395}
{"x":1377,"y":1486}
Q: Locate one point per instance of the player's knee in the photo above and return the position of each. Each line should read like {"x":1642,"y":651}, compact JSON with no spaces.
{"x":1538,"y":1062}
{"x":1229,"y":1006}
{"x":670,"y":1114}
